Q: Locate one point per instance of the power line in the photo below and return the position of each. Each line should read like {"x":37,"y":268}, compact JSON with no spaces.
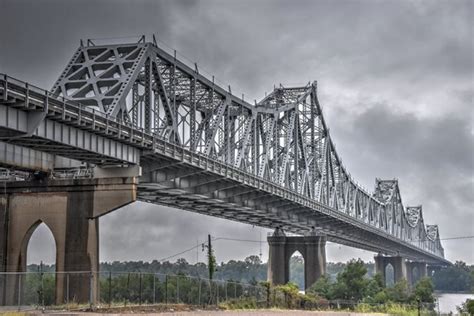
{"x":261,"y":241}
{"x":236,"y":239}
{"x":180,"y":253}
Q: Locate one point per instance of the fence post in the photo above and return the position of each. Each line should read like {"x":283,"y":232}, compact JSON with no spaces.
{"x":91,"y":288}
{"x":67,"y":288}
{"x":225,"y":284}
{"x":217,"y":293}
{"x":140,"y":288}
{"x":166,"y":289}
{"x":154,"y":288}
{"x":210,"y":293}
{"x":42,"y":285}
{"x":128,"y":288}
{"x":177,"y":289}
{"x":19,"y":291}
{"x":110,"y":288}
{"x":199,"y":292}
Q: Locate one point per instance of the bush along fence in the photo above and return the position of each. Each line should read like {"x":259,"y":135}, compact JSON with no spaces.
{"x":33,"y":290}
{"x":81,"y":290}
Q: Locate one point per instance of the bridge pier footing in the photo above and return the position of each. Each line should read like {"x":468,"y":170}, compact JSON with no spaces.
{"x":70,"y":209}
{"x":282,"y":247}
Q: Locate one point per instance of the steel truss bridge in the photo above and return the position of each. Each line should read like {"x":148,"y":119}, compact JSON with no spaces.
{"x":202,"y":149}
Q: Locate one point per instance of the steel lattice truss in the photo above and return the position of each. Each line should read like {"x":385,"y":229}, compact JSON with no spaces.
{"x":284,"y":138}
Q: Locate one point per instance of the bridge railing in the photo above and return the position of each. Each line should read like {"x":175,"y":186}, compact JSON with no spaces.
{"x":39,"y":290}
{"x":71,"y":111}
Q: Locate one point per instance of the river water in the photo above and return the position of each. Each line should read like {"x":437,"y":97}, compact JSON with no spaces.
{"x":448,"y":301}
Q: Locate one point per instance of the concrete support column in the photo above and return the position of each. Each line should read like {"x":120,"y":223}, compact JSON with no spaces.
{"x":399,"y":267}
{"x":277,"y":270}
{"x":423,"y":269}
{"x":380,"y":266}
{"x":411,"y":276}
{"x":315,"y":260}
{"x":70,"y":209}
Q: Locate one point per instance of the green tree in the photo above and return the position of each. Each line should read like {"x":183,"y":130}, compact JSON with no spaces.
{"x":472,"y":279}
{"x":424,"y":290}
{"x":267,"y":286}
{"x":467,"y":308}
{"x":352,"y":283}
{"x":399,"y":292}
{"x":291,"y":293}
{"x":322,"y":287}
{"x":374,"y":286}
{"x":455,"y":278}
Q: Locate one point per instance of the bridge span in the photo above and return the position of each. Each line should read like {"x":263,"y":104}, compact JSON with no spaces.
{"x":132,"y":121}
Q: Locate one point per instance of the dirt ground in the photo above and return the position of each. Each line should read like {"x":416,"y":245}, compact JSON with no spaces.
{"x":175,"y":310}
{"x":224,"y":313}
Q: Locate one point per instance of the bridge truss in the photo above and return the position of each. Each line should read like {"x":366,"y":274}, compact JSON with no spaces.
{"x":150,"y":97}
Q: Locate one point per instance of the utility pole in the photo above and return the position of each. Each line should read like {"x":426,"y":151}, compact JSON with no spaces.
{"x":209,"y":254}
{"x":211,"y":264}
{"x":211,"y":260}
{"x":210,"y":257}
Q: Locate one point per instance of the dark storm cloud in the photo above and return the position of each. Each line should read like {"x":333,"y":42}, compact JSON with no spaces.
{"x":394,"y":78}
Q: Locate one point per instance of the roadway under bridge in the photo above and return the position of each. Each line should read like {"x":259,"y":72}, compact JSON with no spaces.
{"x":131,"y":121}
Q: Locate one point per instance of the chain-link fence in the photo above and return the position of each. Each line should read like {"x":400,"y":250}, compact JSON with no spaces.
{"x":69,"y":290}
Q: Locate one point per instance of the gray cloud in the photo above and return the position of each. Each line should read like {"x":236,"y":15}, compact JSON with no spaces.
{"x":432,"y":158}
{"x":395,"y":80}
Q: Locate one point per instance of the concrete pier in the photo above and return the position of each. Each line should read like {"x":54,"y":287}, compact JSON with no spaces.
{"x":282,"y":247}
{"x":71,"y":210}
{"x":412,"y":271}
{"x":398,"y":264}
{"x":416,"y":271}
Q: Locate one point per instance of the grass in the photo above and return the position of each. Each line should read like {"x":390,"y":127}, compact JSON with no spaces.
{"x":392,"y":309}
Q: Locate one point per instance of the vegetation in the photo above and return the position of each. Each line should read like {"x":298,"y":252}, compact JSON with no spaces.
{"x":368,"y":294}
{"x":456,"y":278}
{"x":146,"y":282}
{"x":467,"y":308}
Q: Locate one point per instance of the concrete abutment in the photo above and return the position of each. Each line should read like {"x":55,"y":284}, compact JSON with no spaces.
{"x":71,"y":210}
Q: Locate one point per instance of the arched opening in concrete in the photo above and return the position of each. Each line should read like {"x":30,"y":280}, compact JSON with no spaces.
{"x":415,"y":275}
{"x":389,"y":275}
{"x":296,"y":270}
{"x":39,"y":284}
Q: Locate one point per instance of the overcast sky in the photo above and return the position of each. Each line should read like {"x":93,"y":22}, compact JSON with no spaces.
{"x":395,"y":81}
